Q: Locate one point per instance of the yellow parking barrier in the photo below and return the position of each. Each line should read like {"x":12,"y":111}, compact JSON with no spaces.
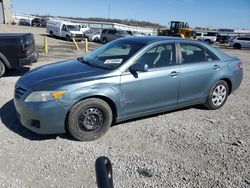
{"x":86,"y":45}
{"x":76,"y":45}
{"x":46,"y":44}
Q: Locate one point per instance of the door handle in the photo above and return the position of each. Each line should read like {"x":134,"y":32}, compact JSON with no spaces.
{"x":173,"y":74}
{"x":216,"y":67}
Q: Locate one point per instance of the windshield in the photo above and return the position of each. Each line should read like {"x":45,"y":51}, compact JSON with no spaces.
{"x":73,"y":27}
{"x":113,"y":54}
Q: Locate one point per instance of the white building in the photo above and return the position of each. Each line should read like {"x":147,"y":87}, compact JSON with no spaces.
{"x":96,"y":25}
{"x":5,"y":11}
{"x":107,"y":25}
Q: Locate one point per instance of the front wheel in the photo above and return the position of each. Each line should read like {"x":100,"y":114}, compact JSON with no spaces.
{"x":208,"y":41}
{"x":2,"y":69}
{"x":68,"y":38}
{"x":89,"y":119}
{"x":237,"y":46}
{"x":217,"y":95}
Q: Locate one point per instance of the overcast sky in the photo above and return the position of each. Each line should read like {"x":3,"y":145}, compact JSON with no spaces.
{"x":206,"y":13}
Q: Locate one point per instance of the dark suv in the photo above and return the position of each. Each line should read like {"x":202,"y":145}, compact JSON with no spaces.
{"x":108,"y":35}
{"x":36,"y":22}
{"x":16,"y":49}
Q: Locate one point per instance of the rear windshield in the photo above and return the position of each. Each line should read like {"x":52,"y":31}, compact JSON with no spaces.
{"x":113,"y":54}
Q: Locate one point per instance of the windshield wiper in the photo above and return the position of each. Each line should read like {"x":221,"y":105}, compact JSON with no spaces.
{"x":81,"y":60}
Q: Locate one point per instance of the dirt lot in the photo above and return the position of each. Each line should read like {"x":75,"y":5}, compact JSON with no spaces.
{"x":192,"y":147}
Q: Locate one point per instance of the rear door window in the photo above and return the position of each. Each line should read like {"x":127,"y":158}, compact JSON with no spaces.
{"x":111,"y":32}
{"x":192,"y":53}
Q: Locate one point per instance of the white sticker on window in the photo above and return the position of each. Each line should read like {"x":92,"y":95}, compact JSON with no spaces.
{"x":113,"y":61}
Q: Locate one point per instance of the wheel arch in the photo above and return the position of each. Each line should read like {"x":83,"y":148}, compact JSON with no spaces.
{"x":229,"y":83}
{"x":237,"y":45}
{"x":5,"y":61}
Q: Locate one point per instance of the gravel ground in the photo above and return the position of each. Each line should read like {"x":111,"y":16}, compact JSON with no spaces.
{"x":191,"y":147}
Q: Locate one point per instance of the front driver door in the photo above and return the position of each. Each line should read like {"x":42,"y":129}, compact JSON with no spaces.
{"x":155,"y":89}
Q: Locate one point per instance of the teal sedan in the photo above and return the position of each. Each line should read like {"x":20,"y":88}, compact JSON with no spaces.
{"x":128,"y":78}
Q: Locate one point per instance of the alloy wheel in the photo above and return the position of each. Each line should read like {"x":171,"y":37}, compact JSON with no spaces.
{"x":219,"y":95}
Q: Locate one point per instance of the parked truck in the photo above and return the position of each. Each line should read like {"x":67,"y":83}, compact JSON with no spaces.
{"x":64,"y":29}
{"x":208,"y":37}
{"x":16,"y":49}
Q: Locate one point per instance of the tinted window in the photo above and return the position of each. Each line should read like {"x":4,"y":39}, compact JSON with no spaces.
{"x":241,"y":38}
{"x":104,"y":31}
{"x":112,"y":32}
{"x":64,"y":28}
{"x":159,"y":56}
{"x":192,"y":53}
{"x":211,"y":34}
{"x":211,"y":56}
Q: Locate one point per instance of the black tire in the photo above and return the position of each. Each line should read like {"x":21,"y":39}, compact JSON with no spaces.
{"x":212,"y":99}
{"x":51,"y":33}
{"x":208,"y":41}
{"x":2,"y":68}
{"x":104,"y":40}
{"x":89,"y":119}
{"x":68,"y":38}
{"x":237,"y":46}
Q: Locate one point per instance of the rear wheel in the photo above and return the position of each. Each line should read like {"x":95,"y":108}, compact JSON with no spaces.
{"x":2,"y":68}
{"x":89,"y":119}
{"x":217,"y":95}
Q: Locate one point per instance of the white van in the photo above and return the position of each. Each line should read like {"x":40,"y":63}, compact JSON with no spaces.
{"x":67,"y":30}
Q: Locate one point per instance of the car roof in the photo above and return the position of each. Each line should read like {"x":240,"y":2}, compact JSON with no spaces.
{"x":152,"y":39}
{"x":13,"y":35}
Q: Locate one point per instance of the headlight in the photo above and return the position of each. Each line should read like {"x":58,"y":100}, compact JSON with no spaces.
{"x":44,"y":96}
{"x":73,"y":35}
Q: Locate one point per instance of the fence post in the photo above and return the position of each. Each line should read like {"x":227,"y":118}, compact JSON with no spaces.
{"x":45,"y":44}
{"x":86,"y":45}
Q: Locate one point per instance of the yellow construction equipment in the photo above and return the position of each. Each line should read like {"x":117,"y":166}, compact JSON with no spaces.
{"x":178,"y":29}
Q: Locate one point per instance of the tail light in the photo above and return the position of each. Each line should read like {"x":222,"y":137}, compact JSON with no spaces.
{"x":240,"y":65}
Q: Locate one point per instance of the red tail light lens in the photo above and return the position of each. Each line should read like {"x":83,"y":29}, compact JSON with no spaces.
{"x":240,"y":65}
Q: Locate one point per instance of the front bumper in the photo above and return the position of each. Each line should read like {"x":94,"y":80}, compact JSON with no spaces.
{"x":29,"y":60}
{"x":77,"y":37}
{"x":42,"y":118}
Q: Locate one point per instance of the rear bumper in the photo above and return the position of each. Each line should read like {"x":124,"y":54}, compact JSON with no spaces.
{"x":29,"y":60}
{"x":237,"y":79}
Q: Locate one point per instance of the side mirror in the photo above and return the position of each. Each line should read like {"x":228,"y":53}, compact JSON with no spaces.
{"x":139,"y":67}
{"x":104,"y":173}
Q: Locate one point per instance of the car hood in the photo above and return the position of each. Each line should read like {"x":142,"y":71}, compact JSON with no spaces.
{"x":56,"y":75}
{"x":76,"y":32}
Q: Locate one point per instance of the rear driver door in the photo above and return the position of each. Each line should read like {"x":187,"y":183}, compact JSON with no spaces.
{"x":200,"y":68}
